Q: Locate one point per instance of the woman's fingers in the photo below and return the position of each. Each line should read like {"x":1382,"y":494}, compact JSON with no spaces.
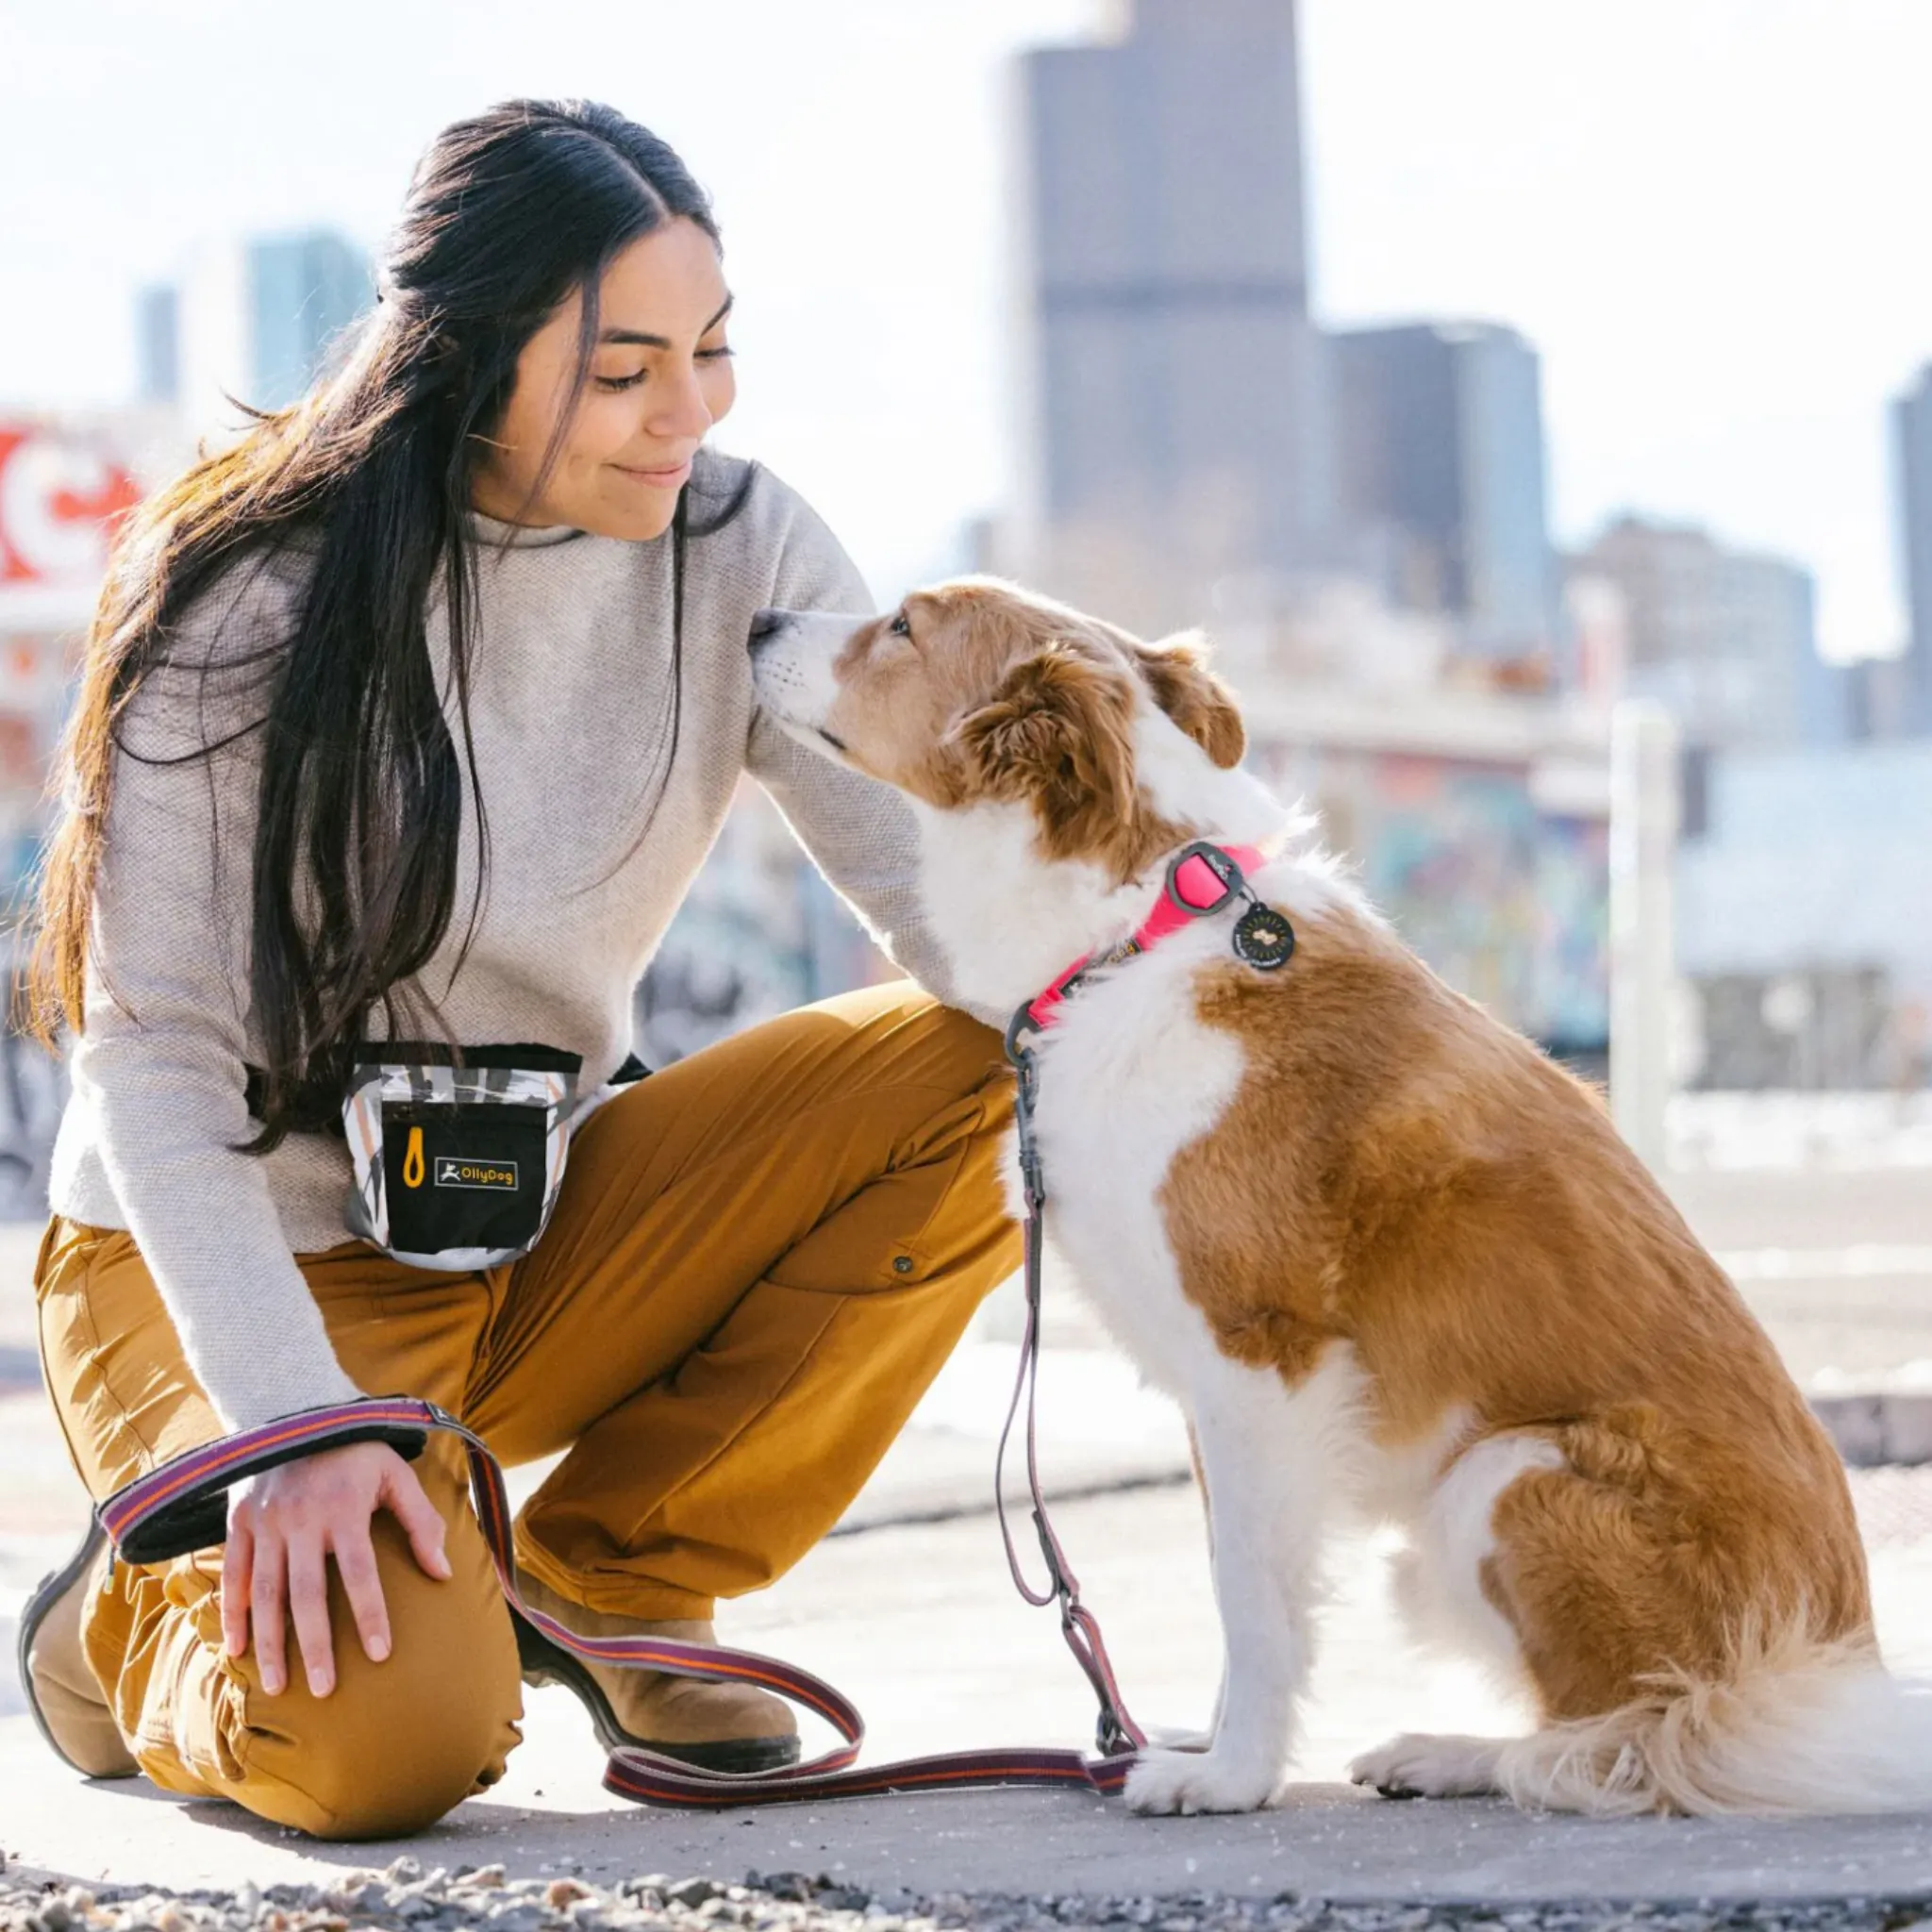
{"x":267,"y":1599}
{"x":281,"y":1537}
{"x":409,"y":1504}
{"x":309,"y":1609}
{"x":363,"y":1583}
{"x":238,"y":1566}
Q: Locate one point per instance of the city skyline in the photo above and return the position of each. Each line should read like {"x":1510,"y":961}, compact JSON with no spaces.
{"x":1181,"y":419}
{"x":1722,"y":313}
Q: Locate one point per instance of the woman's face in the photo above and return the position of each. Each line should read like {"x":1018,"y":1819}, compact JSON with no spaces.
{"x":659,"y":377}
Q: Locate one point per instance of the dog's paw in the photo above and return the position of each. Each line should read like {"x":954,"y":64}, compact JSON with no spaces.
{"x":1169,"y":1781}
{"x":1419,"y":1766}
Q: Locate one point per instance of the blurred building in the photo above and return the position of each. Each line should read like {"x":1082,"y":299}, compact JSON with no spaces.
{"x":1902,"y":698}
{"x":1801,"y":919}
{"x":254,"y":320}
{"x":1439,"y":477}
{"x":157,"y":345}
{"x":1478,"y":825}
{"x":1727,"y":638}
{"x":1178,"y":429}
{"x":63,"y":483}
{"x":302,"y":291}
{"x":1885,"y":697}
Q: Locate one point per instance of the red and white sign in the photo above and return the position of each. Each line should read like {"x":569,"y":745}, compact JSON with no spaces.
{"x":61,"y":491}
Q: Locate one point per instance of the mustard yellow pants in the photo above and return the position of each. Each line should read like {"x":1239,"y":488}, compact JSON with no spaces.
{"x":759,"y":1258}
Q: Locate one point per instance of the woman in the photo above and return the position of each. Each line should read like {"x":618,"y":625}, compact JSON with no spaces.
{"x":413,"y":716}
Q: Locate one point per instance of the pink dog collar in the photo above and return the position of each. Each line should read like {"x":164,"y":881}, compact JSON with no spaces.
{"x":1201,"y":879}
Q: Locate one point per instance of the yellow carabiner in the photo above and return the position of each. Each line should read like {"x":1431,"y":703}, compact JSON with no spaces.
{"x":412,"y":1160}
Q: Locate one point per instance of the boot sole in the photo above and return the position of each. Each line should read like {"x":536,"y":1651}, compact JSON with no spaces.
{"x":49,"y":1593}
{"x":545,"y":1663}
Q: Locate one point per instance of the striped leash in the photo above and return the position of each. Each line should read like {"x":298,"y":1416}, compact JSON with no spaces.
{"x":182,"y":1505}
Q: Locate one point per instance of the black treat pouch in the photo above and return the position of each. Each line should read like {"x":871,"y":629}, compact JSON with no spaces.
{"x":457,"y":1167}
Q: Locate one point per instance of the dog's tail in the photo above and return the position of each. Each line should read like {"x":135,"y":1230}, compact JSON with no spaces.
{"x":1796,"y":1728}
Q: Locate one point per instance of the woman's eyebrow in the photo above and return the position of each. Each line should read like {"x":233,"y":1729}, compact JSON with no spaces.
{"x":640,"y":339}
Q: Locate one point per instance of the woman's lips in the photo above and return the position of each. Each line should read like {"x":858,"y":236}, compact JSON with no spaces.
{"x":671,"y":476}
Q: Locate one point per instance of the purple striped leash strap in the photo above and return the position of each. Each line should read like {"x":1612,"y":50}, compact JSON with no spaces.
{"x":181,"y":1505}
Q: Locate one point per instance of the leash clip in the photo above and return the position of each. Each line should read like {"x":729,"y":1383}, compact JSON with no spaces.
{"x":1111,"y":1737}
{"x":1020,"y":1053}
{"x":1018,"y":1049}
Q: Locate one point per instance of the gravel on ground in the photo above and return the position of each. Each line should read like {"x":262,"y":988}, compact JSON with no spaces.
{"x":402,"y":1897}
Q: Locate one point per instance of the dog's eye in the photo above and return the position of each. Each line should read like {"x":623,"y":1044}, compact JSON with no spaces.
{"x":900,"y":626}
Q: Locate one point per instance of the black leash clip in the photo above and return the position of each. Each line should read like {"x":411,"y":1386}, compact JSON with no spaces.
{"x":1026,"y":1071}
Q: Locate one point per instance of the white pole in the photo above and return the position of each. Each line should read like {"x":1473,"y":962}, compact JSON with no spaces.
{"x":1643,"y":838}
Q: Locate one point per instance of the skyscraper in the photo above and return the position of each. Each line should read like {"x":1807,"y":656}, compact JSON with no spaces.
{"x":1440,"y":478}
{"x":302,"y":292}
{"x":1178,"y":432}
{"x":1727,"y":638}
{"x":255,"y":321}
{"x":157,"y":343}
{"x":1910,"y":689}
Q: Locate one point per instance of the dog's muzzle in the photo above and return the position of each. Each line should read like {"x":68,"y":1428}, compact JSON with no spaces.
{"x":792,"y":653}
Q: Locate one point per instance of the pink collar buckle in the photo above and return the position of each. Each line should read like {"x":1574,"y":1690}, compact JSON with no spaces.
{"x":1201,"y":879}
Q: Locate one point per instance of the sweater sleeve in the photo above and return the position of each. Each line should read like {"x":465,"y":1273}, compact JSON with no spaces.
{"x":859,"y":833}
{"x":162,"y":1050}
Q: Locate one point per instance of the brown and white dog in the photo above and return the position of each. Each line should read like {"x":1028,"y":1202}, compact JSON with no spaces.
{"x":1387,"y":1255}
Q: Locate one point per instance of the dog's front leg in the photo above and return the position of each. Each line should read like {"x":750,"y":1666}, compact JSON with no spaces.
{"x":1266,"y":1457}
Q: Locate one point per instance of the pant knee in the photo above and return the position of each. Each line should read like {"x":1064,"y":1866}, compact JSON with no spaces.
{"x":400,"y":1764}
{"x":396,"y":1744}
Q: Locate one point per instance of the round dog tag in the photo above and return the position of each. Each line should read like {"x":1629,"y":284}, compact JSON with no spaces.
{"x":1263,"y":937}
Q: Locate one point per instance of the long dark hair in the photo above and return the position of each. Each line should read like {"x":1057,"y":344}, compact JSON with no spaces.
{"x":370,"y":473}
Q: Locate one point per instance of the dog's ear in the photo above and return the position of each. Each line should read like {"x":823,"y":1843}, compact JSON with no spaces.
{"x":1176,"y":673}
{"x":1057,"y":732}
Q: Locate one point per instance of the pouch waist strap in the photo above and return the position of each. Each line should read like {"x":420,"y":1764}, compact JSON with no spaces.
{"x":319,"y":1107}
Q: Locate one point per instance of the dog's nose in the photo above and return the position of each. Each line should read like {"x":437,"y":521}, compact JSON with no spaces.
{"x":765,"y":624}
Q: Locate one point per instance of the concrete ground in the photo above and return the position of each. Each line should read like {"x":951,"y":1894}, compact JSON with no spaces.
{"x":911,"y":1612}
{"x":921,"y":1625}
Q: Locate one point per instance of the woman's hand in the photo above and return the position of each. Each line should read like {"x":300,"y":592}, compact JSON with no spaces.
{"x":284,"y":1526}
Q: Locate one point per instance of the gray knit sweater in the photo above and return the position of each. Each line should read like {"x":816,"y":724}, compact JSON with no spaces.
{"x":569,"y":706}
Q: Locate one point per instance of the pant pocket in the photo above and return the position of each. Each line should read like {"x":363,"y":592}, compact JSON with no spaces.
{"x":65,"y":1243}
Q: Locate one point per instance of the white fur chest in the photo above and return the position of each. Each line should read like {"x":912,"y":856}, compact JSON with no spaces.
{"x":1127,"y":1077}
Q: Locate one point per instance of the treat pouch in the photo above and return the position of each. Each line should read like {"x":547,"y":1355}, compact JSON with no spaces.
{"x":457,"y":1167}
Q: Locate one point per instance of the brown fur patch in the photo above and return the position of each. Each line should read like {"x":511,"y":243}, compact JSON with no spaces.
{"x":1400,"y":1171}
{"x":995,"y":694}
{"x":1194,"y":698}
{"x":1059,"y":733}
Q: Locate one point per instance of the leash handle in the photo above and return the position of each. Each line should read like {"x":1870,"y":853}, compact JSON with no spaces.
{"x":181,"y":1507}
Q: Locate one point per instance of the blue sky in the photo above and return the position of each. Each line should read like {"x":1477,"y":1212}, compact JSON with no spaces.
{"x":1707,"y":214}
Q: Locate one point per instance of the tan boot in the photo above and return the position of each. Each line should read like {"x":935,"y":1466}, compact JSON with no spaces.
{"x":62,"y":1691}
{"x":717,"y":1726}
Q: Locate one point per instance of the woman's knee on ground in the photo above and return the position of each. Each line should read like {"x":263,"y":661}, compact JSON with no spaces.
{"x":395,"y":1744}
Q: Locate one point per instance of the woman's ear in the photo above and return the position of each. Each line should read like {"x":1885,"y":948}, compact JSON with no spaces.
{"x":1057,"y":732}
{"x":1193,"y":696}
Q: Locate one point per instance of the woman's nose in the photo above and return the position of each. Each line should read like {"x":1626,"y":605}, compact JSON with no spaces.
{"x":681,"y":408}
